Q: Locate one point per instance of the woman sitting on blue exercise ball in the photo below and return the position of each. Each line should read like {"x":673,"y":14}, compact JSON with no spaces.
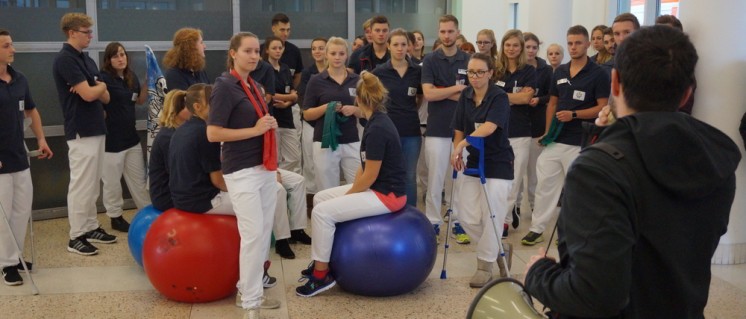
{"x":378,"y":187}
{"x":483,"y":111}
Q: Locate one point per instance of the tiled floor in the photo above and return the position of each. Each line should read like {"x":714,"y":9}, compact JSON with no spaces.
{"x":112,"y":285}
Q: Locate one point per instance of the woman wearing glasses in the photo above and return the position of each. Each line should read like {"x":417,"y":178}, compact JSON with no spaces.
{"x":483,"y":111}
{"x":518,"y":79}
{"x":486,"y":43}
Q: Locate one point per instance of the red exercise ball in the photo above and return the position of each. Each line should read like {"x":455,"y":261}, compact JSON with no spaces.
{"x":192,"y":257}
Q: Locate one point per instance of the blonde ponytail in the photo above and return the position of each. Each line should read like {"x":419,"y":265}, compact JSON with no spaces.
{"x":371,"y":92}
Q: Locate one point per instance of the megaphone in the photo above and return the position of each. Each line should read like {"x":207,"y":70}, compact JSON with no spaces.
{"x":503,"y":298}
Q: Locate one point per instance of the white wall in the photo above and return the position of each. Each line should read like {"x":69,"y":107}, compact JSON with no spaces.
{"x":720,"y":99}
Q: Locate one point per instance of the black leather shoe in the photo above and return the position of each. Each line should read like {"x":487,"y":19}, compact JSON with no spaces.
{"x":120,"y":224}
{"x":282,"y":247}
{"x":300,"y":236}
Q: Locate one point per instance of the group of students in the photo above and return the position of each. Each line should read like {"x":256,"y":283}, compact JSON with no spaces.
{"x":238,"y":146}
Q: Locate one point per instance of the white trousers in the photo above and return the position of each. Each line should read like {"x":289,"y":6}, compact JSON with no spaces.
{"x":534,"y":152}
{"x":253,"y":192}
{"x":221,"y":205}
{"x":309,"y":170}
{"x":551,"y":169}
{"x":86,"y":156}
{"x":16,"y":196}
{"x":472,"y":210}
{"x":521,"y":148}
{"x":328,"y":162}
{"x":290,"y":213}
{"x":131,"y":164}
{"x":297,"y":122}
{"x":288,"y":149}
{"x":438,"y":161}
{"x":332,"y":206}
{"x":422,"y":169}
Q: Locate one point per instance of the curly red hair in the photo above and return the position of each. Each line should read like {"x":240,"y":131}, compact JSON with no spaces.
{"x":184,"y":53}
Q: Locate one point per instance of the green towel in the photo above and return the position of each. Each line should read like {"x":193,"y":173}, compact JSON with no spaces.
{"x":554,"y":130}
{"x":331,"y":131}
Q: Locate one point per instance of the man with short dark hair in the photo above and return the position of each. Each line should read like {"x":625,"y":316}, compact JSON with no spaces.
{"x":443,"y":79}
{"x":579,"y":90}
{"x":81,"y":94}
{"x":623,"y":25}
{"x":16,"y":189}
{"x":374,"y":53}
{"x":291,"y":56}
{"x":633,"y":243}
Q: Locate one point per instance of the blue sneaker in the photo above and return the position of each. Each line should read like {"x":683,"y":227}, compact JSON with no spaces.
{"x":436,"y":228}
{"x":315,"y":286}
{"x":460,"y":235}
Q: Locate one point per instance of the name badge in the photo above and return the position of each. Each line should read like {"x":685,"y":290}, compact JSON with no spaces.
{"x":477,"y":125}
{"x":21,"y":105}
{"x":462,"y":71}
{"x":287,"y":89}
{"x":460,"y":81}
{"x":95,"y":78}
{"x":500,"y":84}
{"x":517,"y":89}
{"x":292,"y":72}
{"x":362,"y":156}
{"x":134,"y":96}
{"x":353,"y":92}
{"x":412,"y":91}
{"x":561,"y":81}
{"x":578,"y":95}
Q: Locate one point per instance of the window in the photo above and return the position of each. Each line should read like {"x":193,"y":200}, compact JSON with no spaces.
{"x":37,"y":20}
{"x":513,"y":17}
{"x":157,"y":20}
{"x":408,"y":14}
{"x":668,"y":7}
{"x":308,"y":19}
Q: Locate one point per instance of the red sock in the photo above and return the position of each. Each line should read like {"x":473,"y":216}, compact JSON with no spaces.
{"x":320,"y":274}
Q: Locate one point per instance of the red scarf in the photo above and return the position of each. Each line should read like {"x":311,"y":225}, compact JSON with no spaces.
{"x":269,"y":154}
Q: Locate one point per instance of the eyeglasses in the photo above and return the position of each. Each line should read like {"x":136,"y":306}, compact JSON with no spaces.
{"x":484,"y":42}
{"x":477,"y":73}
{"x":89,"y":32}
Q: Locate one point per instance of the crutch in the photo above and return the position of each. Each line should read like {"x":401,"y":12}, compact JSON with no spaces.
{"x":34,"y":289}
{"x":449,"y":213}
{"x":478,"y":143}
{"x":31,"y":218}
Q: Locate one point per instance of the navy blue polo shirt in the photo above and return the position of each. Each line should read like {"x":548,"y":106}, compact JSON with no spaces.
{"x":520,"y":119}
{"x":578,"y":93}
{"x":182,"y":79}
{"x":323,"y":89}
{"x":381,"y":143}
{"x":191,"y":159}
{"x":401,"y":105}
{"x":442,"y":71}
{"x":264,"y":74}
{"x":283,"y":85}
{"x":538,"y":113}
{"x":231,"y":108}
{"x":158,"y":175}
{"x":305,"y":76}
{"x":81,"y":118}
{"x":120,"y":113}
{"x":495,"y":108}
{"x":365,"y":59}
{"x":15,"y":98}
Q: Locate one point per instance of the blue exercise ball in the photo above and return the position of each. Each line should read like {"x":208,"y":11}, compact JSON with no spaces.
{"x":139,"y":228}
{"x":384,"y":255}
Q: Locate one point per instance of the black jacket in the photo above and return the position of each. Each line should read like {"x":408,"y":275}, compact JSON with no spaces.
{"x":642,"y":214}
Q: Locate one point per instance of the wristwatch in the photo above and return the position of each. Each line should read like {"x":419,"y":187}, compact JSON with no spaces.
{"x":574,"y":115}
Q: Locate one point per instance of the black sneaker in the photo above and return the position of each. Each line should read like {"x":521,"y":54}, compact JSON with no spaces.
{"x":268,"y":281}
{"x":532,"y":239}
{"x":29,"y":264}
{"x":98,"y":235}
{"x":505,"y":231}
{"x":516,"y":216}
{"x":316,"y":286}
{"x":81,"y":246}
{"x":120,"y":224}
{"x":11,"y":276}
{"x":300,"y":236}
{"x":282,"y":247}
